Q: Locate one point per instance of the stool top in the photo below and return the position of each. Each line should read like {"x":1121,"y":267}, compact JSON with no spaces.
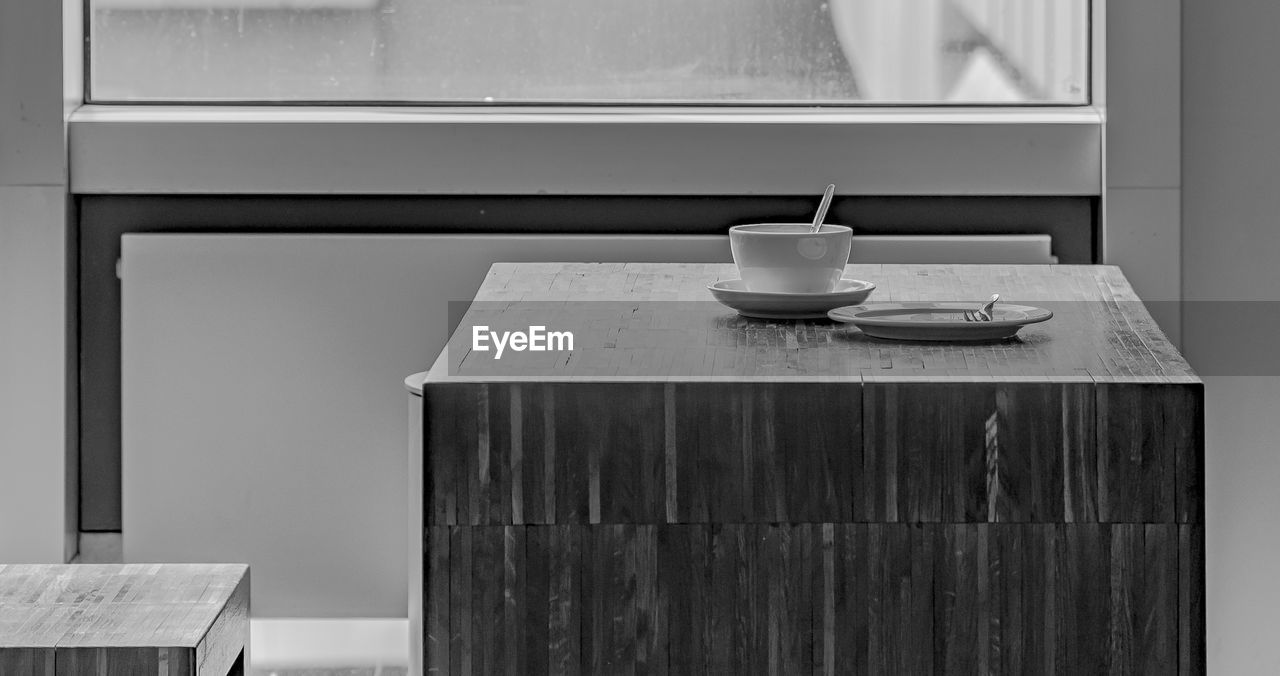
{"x":117,"y":605}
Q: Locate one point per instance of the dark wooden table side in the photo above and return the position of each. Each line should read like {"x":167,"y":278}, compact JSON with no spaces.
{"x":986,"y":519}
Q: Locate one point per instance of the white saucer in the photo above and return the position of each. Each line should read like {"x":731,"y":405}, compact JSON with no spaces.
{"x":778,"y":305}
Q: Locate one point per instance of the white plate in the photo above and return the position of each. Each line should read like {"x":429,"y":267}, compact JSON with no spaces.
{"x":776,"y":305}
{"x":938,"y":321}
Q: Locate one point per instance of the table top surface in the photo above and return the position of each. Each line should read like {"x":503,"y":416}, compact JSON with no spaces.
{"x":112,"y":605}
{"x":658,"y":322}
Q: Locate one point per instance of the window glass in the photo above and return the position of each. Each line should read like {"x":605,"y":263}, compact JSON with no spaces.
{"x":591,"y":51}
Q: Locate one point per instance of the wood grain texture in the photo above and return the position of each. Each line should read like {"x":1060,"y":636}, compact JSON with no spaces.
{"x":224,"y":642}
{"x":1150,"y":453}
{"x":1035,"y":453}
{"x":1021,"y":560}
{"x":33,"y":661}
{"x":714,"y":442}
{"x":515,"y":600}
{"x":1186,"y":405}
{"x":1192,"y":658}
{"x":566,"y":563}
{"x":658,"y":322}
{"x":956,"y":616}
{"x":169,"y":619}
{"x":887,"y":451}
{"x":689,"y":491}
{"x":130,"y":661}
{"x":532,"y":423}
{"x":1084,"y":598}
{"x":461,"y":640}
{"x":449,"y":421}
{"x":1157,"y":604}
{"x":437,"y":611}
{"x":1048,"y":429}
{"x":1135,"y":461}
{"x":915,"y":470}
{"x":684,"y":582}
{"x":837,"y":599}
{"x":1079,"y":453}
{"x":815,"y":463}
{"x":538,"y":611}
{"x":488,"y":607}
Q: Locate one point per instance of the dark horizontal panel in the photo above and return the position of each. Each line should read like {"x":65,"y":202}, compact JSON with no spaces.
{"x":819,"y":599}
{"x":1068,"y":219}
{"x":894,"y":452}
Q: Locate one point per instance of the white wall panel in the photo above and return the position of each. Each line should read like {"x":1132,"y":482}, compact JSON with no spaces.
{"x":36,"y":512}
{"x":1144,"y":94}
{"x":1145,"y":240}
{"x":39,"y":82}
{"x":263,"y":400}
{"x":1241,"y":538}
{"x":1142,"y":231}
{"x":31,"y":94}
{"x":1231,"y":245}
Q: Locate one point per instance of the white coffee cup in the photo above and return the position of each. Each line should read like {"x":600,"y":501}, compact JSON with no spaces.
{"x":790,"y":257}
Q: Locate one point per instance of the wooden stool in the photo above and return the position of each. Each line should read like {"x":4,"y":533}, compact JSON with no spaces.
{"x":135,"y":619}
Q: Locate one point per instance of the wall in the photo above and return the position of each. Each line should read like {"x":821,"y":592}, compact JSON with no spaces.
{"x":1231,"y":210}
{"x":37,"y":383}
{"x":1143,"y":172}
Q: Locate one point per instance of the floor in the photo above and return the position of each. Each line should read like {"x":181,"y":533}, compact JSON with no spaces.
{"x":355,"y":671}
{"x":299,"y":647}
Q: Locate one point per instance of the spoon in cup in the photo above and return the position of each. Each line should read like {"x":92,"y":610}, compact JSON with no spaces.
{"x":822,"y":208}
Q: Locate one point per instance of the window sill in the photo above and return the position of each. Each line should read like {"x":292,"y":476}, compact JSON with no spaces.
{"x":565,"y":151}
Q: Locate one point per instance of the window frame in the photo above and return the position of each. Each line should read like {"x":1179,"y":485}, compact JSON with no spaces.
{"x":326,"y":150}
{"x":625,"y":150}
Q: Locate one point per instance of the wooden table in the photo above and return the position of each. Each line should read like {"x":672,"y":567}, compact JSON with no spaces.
{"x":691,"y":491}
{"x":136,"y":619}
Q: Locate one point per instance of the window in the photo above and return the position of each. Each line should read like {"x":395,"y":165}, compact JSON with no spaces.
{"x":833,"y":52}
{"x":582,"y":97}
